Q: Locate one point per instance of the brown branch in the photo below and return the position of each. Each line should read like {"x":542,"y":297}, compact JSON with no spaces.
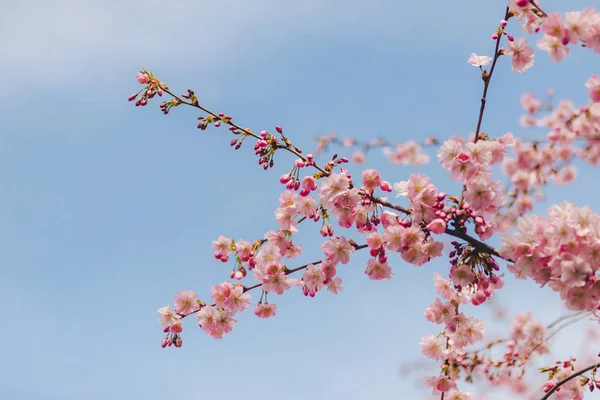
{"x":568,"y":378}
{"x":287,"y":272}
{"x":246,"y":131}
{"x":538,"y":8}
{"x":487,"y":78}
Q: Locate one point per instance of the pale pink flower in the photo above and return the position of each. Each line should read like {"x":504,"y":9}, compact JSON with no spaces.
{"x":522,"y":55}
{"x":167,"y":317}
{"x":553,"y":25}
{"x":285,"y":218}
{"x":288,"y":199}
{"x":277,"y":282}
{"x":332,"y":186}
{"x":224,"y":323}
{"x":593,"y":87}
{"x":142,"y":78}
{"x":458,"y":395}
{"x":377,"y":270}
{"x":439,"y":384}
{"x":335,"y":285}
{"x":313,"y":278}
{"x":479,"y":61}
{"x":265,"y":310}
{"x":358,"y":157}
{"x":565,"y":175}
{"x":462,"y":276}
{"x":450,"y":149}
{"x":307,"y":206}
{"x":338,"y":250}
{"x":393,"y":237}
{"x":409,"y":153}
{"x":222,"y":248}
{"x":238,"y":301}
{"x":185,"y":302}
{"x":371,"y":179}
{"x":206,"y":318}
{"x":576,"y":24}
{"x":243,"y":250}
{"x":554,"y":46}
{"x":434,"y":347}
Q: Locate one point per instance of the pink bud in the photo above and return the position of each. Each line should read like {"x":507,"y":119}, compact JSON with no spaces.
{"x":548,"y":385}
{"x":323,"y":231}
{"x":285,"y":178}
{"x":278,"y":129}
{"x":522,"y":3}
{"x":503,"y":23}
{"x":330,"y":230}
{"x":142,"y":78}
{"x":495,"y":36}
{"x":385,"y":186}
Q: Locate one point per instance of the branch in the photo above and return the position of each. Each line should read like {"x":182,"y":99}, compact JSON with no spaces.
{"x":487,"y":78}
{"x":287,"y":272}
{"x":568,"y":378}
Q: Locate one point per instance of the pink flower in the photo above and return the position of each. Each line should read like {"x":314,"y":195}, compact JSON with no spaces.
{"x":409,"y":153}
{"x":439,"y":312}
{"x":222,"y":248}
{"x":450,"y":149}
{"x":522,"y":55}
{"x":458,"y":395}
{"x":440,"y":384}
{"x":277,"y":282}
{"x":479,"y":61}
{"x":285,"y":218}
{"x":313,"y":278}
{"x":308,"y":184}
{"x":554,"y":46}
{"x":335,"y":285}
{"x":265,"y":310}
{"x":371,"y":179}
{"x":243,"y":250}
{"x":434,"y":347}
{"x":378,"y":271}
{"x":358,"y":157}
{"x":553,"y":25}
{"x":332,"y":186}
{"x":338,"y":250}
{"x":185,"y":302}
{"x":167,"y":317}
{"x":238,"y":301}
{"x":593,"y":87}
{"x":443,"y":287}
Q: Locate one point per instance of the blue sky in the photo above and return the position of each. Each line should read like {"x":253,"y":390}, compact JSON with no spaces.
{"x":107,"y":210}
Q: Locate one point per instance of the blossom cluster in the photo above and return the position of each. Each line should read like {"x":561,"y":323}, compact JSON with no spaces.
{"x":561,"y":251}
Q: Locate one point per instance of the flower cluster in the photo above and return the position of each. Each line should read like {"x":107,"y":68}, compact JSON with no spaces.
{"x":561,"y":251}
